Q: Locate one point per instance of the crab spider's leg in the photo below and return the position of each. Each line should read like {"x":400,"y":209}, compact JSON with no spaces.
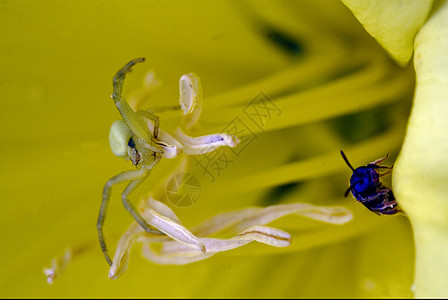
{"x":122,"y":177}
{"x":149,"y":115}
{"x":129,"y":207}
{"x":134,"y":121}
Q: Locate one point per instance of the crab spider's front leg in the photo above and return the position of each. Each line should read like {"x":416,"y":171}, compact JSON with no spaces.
{"x":149,"y":115}
{"x":132,"y":176}
{"x":134,"y":121}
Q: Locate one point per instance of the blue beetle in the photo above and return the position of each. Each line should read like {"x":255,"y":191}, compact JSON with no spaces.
{"x":366,"y":187}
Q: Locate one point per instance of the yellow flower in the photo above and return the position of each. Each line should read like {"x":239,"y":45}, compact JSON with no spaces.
{"x":299,"y":80}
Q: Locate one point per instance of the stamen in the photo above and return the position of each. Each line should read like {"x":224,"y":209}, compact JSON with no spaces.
{"x":60,"y":263}
{"x":206,"y":143}
{"x":182,"y":246}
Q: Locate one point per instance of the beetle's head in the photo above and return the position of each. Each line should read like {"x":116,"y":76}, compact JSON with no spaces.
{"x":364,"y":180}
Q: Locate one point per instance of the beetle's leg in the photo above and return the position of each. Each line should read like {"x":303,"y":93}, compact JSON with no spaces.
{"x":149,"y":115}
{"x":384,"y":167}
{"x":134,"y":121}
{"x":125,"y":176}
{"x":348,"y":191}
{"x":380,"y":160}
{"x":390,"y":205}
{"x":373,"y":197}
{"x":350,"y":188}
{"x":387,"y":172}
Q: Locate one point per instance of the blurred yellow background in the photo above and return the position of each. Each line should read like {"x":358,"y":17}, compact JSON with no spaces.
{"x":57,"y":61}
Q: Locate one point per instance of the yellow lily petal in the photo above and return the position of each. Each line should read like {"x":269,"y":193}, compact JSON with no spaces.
{"x":421,"y":172}
{"x":393,"y":23}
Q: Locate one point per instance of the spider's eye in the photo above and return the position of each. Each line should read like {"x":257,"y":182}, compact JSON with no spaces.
{"x":131,"y":143}
{"x":133,"y":153}
{"x":119,"y":136}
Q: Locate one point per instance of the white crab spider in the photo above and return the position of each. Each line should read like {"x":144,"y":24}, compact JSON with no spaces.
{"x":138,"y":137}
